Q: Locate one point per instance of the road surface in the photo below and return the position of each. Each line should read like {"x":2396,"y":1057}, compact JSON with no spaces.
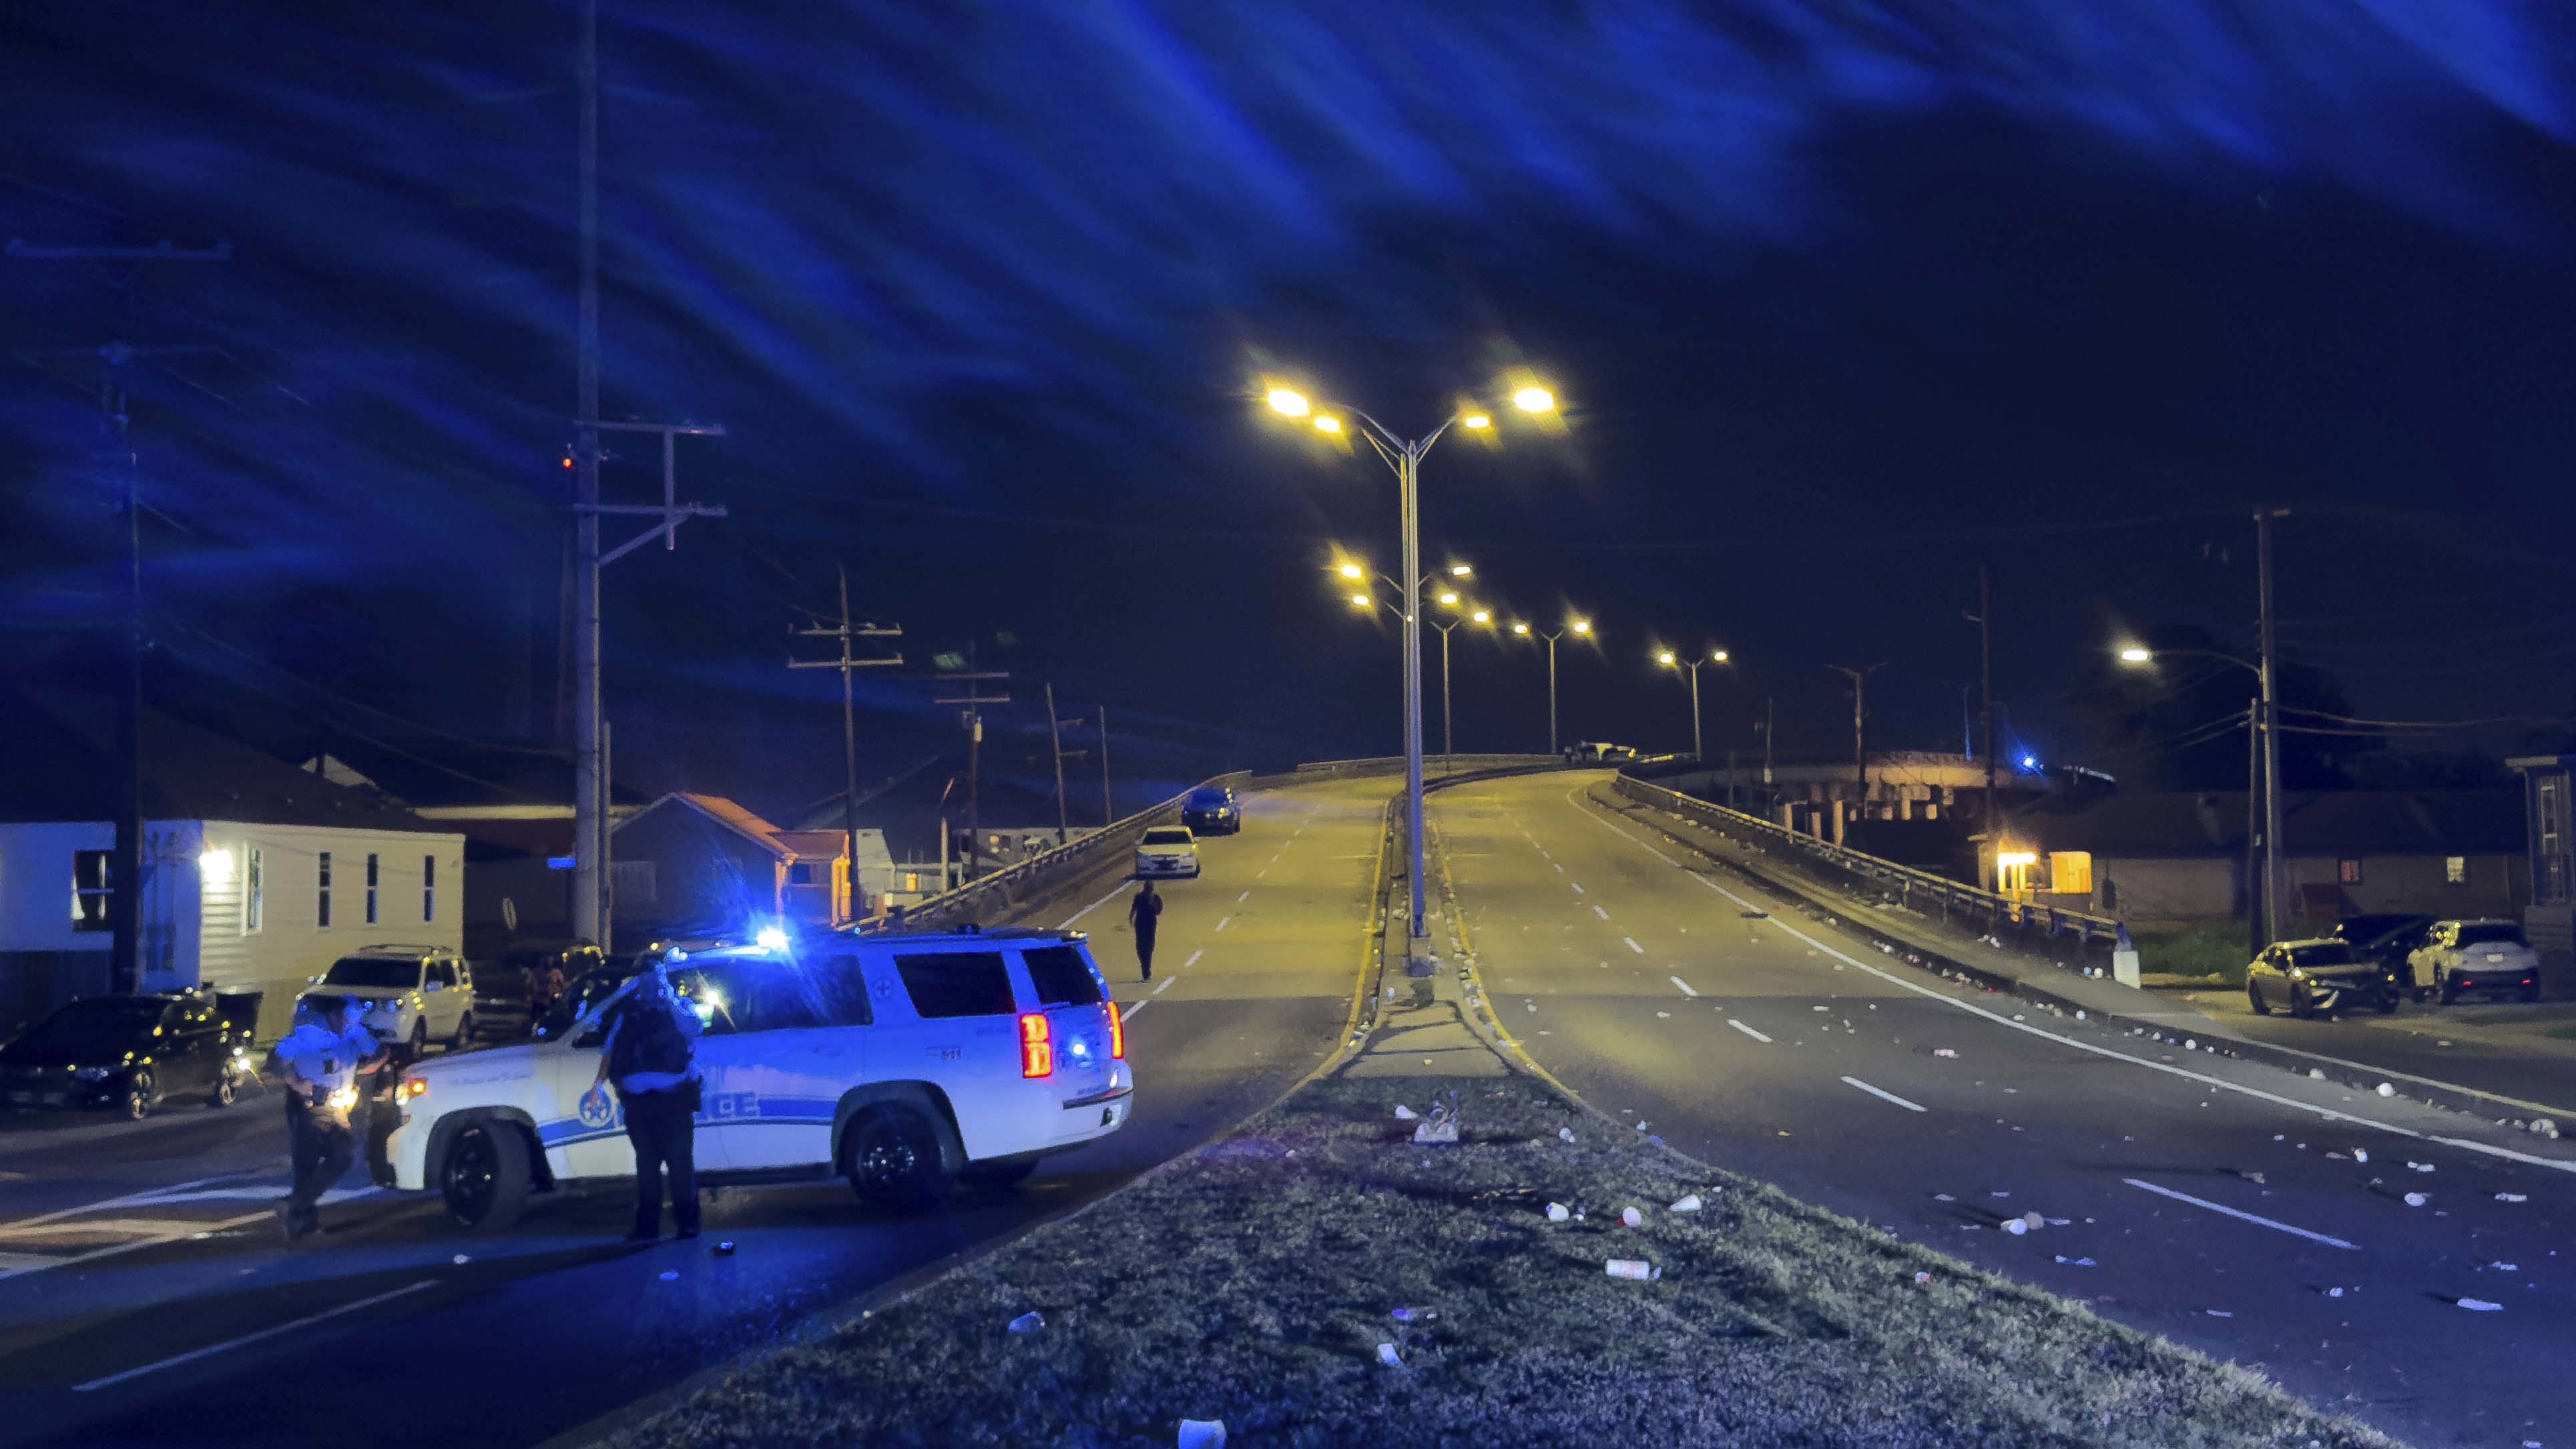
{"x":2223,"y":1203}
{"x":146,"y":1298}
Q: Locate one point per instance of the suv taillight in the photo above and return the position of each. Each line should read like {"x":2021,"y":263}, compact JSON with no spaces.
{"x":1117,"y":1034}
{"x":1037,"y":1049}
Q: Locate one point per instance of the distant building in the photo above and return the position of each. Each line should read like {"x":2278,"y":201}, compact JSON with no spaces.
{"x":2176,"y":858}
{"x":255,"y":875}
{"x":690,"y":862}
{"x":1822,"y":797}
{"x":2550,"y":918}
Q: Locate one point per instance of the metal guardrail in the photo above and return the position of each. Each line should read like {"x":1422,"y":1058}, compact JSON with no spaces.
{"x":1433,"y":767}
{"x":1915,"y":889}
{"x":989,"y":895}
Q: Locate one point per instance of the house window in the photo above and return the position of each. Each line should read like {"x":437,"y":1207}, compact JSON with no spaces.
{"x":93,"y":888}
{"x":801,"y":873}
{"x":322,"y":889}
{"x":2348,"y":872}
{"x":255,"y":892}
{"x":429,"y":888}
{"x":2070,"y":872}
{"x":371,"y":888}
{"x":2455,"y":870}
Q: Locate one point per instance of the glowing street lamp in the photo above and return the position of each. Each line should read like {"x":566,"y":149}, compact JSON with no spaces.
{"x":2135,"y":655}
{"x":1405,"y":457}
{"x":1352,"y":571}
{"x":1581,"y":627}
{"x":1362,"y":601}
{"x":1462,"y":571}
{"x":1670,"y":660}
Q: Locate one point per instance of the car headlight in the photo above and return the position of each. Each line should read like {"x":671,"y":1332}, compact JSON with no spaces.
{"x":90,"y":1074}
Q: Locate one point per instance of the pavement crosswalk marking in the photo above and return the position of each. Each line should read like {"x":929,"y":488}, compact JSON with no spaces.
{"x":1883,"y":1095}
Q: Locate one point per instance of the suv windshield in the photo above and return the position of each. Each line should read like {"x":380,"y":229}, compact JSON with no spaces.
{"x":1167,"y":835}
{"x":2331,"y":953}
{"x":90,"y":1031}
{"x":1206,"y":799}
{"x":2492,"y":933}
{"x":376,"y":973}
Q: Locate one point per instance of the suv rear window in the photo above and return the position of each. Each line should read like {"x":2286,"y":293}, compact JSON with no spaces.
{"x":957,"y":983}
{"x":1168,"y":835}
{"x":1062,"y":977}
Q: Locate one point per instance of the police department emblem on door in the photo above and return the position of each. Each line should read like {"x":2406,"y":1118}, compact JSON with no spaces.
{"x":597,"y":1108}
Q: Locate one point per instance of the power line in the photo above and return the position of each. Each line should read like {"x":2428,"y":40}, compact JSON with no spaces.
{"x":339,"y":698}
{"x":2419,"y":724}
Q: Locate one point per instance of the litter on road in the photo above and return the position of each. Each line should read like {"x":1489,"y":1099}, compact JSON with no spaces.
{"x":1944,"y":1052}
{"x":2016,"y":1226}
{"x":1922,"y":1277}
{"x":2480,"y":1305}
{"x":670,"y":1275}
{"x":1565,"y":1134}
{"x":1403,"y":1113}
{"x":1558,"y":1212}
{"x":1630,"y":1217}
{"x":2361,"y":1154}
{"x":1386,"y":1355}
{"x":1414,"y":1315}
{"x":2077,"y":1262}
{"x":2385,"y":1090}
{"x":1635,"y":1268}
{"x":1202,"y":1434}
{"x":2416,"y":1199}
{"x":1689,"y":1203}
{"x":2511,"y":1197}
{"x":1028,"y":1323}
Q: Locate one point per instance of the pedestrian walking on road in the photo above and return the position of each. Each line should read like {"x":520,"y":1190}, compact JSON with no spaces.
{"x":651,"y":1056}
{"x":1145,"y":913}
{"x":322,"y":1057}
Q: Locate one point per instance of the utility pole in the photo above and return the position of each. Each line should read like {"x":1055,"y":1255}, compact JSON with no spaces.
{"x":973,"y":719}
{"x":2254,"y":827}
{"x":1770,"y":727}
{"x":849,"y":664}
{"x":1983,"y":619}
{"x":1108,"y":816}
{"x":1860,"y":730}
{"x":1055,"y":741}
{"x":2275,"y":882}
{"x":125,"y":869}
{"x":589,"y":775}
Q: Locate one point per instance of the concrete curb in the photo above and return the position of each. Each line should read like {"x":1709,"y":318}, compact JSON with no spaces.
{"x":2359,"y":1076}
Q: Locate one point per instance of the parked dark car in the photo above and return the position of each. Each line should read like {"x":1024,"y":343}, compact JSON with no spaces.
{"x":2321,"y":975}
{"x":129,"y":1054}
{"x":1212,"y":810}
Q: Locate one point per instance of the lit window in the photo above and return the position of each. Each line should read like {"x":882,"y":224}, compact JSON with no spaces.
{"x":2348,"y":872}
{"x":255,"y":892}
{"x":371,"y":888}
{"x":2455,"y":870}
{"x":2070,"y":872}
{"x":93,"y":888}
{"x":322,"y":889}
{"x":429,"y":888}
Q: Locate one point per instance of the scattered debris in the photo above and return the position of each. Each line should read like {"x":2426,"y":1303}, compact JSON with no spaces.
{"x":2479,"y":1305}
{"x":1414,"y":1315}
{"x":2334,"y":1293}
{"x":1404,"y":1113}
{"x":1636,"y":1268}
{"x":2032,"y":1220}
{"x":1630,"y":1217}
{"x":1944,"y":1052}
{"x":2505,"y":1267}
{"x":2385,"y":1090}
{"x":2512,"y":1197}
{"x":2218,"y":1313}
{"x":1667,"y":1016}
{"x":2189,"y":1043}
{"x":2361,"y":1154}
{"x":2316,"y":1074}
{"x":2255,"y":1178}
{"x":1565,"y":1134}
{"x":2077,"y":1262}
{"x":1202,"y":1434}
{"x":1028,"y":1323}
{"x":2416,"y":1199}
{"x":723,"y":1249}
{"x":2419,"y":1167}
{"x":1689,"y":1203}
{"x":1922,"y":1277}
{"x":2016,"y":1226}
{"x":1558,"y":1212}
{"x":670,"y":1275}
{"x":2544,"y":1127}
{"x":1387,"y":1355}
{"x":1943,"y":1197}
{"x":461,"y":1260}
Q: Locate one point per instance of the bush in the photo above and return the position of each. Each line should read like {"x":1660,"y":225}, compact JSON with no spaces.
{"x":2217,"y":950}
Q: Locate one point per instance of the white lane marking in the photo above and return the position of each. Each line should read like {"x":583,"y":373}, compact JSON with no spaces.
{"x":1095,"y":905}
{"x":1748,"y":1031}
{"x":1258,"y":874}
{"x":214,"y":1348}
{"x":1239,"y":900}
{"x":1605,"y":915}
{"x":1128,"y":1013}
{"x":1684,"y":985}
{"x":2219,"y":1083}
{"x":131,"y":1199}
{"x":1221,"y":920}
{"x":1632,"y":942}
{"x":1578,"y":886}
{"x":113,"y":1249}
{"x":2220,"y":1207}
{"x":1194,"y":958}
{"x":1560,"y":870}
{"x":1166,"y":986}
{"x":1884,"y":1096}
{"x":250,"y":1192}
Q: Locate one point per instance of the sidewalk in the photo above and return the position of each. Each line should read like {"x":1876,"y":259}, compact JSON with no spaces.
{"x":2507,"y":1069}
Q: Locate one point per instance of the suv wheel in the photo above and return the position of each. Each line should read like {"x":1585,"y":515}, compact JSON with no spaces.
{"x":138,"y":1095}
{"x":890,"y":1154}
{"x":419,"y":1046}
{"x":464,"y":1033}
{"x":2302,"y":1005}
{"x":484,"y":1178}
{"x":2254,"y":998}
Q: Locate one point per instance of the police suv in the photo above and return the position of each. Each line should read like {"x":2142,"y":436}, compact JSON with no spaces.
{"x":901,"y":1062}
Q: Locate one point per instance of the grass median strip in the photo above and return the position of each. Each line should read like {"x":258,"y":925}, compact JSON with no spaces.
{"x":1254,"y":1281}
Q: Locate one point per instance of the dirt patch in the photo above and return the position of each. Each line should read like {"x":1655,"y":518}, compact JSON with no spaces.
{"x":1254,"y":1282}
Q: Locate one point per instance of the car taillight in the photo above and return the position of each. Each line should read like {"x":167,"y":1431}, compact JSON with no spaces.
{"x":414,"y":1087}
{"x":1117,"y":1034}
{"x":1037,"y":1049}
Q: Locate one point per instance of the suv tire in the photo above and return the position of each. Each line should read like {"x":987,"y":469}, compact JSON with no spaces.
{"x":464,"y":1033}
{"x":2254,"y":998}
{"x":419,"y":1044}
{"x":484,"y":1176}
{"x":2302,"y":1005}
{"x":890,"y":1152}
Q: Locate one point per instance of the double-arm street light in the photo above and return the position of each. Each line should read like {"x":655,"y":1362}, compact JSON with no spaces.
{"x":1670,"y":660}
{"x":2264,"y":720}
{"x":1447,"y":598}
{"x":1404,"y":456}
{"x":1578,"y":627}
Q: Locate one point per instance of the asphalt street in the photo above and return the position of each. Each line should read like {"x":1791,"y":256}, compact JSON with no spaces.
{"x":2238,"y":1208}
{"x":146,"y":1298}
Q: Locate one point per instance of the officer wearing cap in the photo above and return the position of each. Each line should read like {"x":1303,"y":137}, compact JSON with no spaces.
{"x":322,"y":1059}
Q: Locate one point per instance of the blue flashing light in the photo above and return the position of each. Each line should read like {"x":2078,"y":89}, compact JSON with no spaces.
{"x":771,"y":938}
{"x":2030,"y":762}
{"x":562,"y":862}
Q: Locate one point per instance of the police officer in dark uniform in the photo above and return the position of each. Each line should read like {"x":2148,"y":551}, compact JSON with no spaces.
{"x":651,"y":1056}
{"x":323,"y":1057}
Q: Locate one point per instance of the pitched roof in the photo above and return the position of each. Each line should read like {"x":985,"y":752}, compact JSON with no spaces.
{"x":724,"y":812}
{"x":61,"y":750}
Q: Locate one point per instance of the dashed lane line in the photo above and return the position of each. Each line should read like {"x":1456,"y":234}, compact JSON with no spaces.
{"x":1882,"y":1094}
{"x":2220,"y":1207}
{"x":1605,"y":915}
{"x":1684,"y":985}
{"x":306,"y":1321}
{"x":1632,"y":942}
{"x":1748,"y":1031}
{"x":1194,"y":958}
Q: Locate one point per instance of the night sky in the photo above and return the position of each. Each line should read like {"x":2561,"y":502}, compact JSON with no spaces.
{"x":1842,"y":299}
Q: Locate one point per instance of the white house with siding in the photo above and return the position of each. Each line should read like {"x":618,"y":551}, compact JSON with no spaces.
{"x":255,"y":876}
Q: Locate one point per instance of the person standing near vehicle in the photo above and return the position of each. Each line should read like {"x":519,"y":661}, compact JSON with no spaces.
{"x":323,"y":1056}
{"x":651,"y":1056}
{"x":545,"y":988}
{"x":1145,"y":913}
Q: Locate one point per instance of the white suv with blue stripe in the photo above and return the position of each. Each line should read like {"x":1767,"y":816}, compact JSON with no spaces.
{"x":901,"y":1062}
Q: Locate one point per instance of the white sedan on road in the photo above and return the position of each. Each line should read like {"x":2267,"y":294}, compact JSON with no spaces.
{"x":1167,"y":851}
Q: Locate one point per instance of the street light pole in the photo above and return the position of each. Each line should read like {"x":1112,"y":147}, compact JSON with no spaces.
{"x":2275,"y":874}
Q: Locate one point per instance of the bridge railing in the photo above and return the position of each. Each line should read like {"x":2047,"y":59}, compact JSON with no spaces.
{"x":2030,"y":926}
